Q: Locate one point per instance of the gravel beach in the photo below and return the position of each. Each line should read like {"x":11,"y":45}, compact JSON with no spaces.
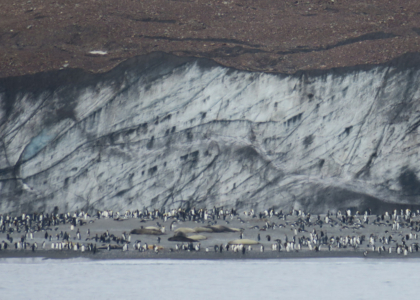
{"x":276,"y":235}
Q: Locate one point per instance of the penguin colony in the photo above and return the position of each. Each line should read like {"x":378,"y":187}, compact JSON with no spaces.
{"x":394,"y":233}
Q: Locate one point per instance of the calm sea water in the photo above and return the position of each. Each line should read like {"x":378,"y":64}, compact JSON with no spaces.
{"x":343,"y":278}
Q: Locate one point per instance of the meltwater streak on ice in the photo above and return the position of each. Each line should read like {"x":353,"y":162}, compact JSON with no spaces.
{"x":347,"y":278}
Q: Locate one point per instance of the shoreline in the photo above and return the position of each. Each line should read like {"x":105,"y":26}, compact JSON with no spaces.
{"x":185,"y":255}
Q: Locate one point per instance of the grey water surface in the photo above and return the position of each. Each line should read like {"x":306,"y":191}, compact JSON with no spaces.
{"x":330,"y":278}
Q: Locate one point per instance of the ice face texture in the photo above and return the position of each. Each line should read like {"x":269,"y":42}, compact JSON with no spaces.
{"x":164,"y":131}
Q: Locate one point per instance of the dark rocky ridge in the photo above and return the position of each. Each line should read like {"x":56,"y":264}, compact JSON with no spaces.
{"x":167,"y":131}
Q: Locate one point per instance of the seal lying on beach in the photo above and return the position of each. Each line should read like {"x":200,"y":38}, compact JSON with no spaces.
{"x":184,"y":230}
{"x":221,"y":228}
{"x":203,"y":229}
{"x":197,"y":237}
{"x":148,"y":230}
{"x":243,"y":242}
{"x":213,"y":228}
{"x":181,"y":237}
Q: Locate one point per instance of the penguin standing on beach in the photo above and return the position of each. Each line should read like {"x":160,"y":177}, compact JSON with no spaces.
{"x":137,"y":245}
{"x":172,"y":225}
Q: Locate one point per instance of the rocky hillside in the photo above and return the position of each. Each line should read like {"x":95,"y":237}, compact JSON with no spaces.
{"x":265,"y":35}
{"x":166,"y":131}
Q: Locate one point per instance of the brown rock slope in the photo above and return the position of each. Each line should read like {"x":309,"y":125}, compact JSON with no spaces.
{"x":264,"y":35}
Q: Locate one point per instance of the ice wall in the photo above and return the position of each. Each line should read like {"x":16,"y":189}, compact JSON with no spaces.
{"x":162,"y":131}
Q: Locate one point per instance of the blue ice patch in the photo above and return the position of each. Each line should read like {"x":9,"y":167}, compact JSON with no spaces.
{"x":37,"y":144}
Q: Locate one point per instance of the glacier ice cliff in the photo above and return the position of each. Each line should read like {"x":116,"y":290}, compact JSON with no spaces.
{"x":166,"y":131}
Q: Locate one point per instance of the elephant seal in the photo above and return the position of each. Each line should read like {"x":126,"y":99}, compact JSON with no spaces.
{"x":180,"y":237}
{"x":243,"y":242}
{"x":147,"y":231}
{"x":184,"y":230}
{"x":197,"y":237}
